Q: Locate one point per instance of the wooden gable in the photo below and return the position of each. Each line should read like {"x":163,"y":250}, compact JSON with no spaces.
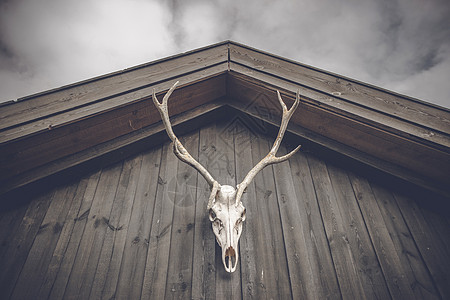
{"x":138,"y":229}
{"x":98,"y":206}
{"x":47,"y":133}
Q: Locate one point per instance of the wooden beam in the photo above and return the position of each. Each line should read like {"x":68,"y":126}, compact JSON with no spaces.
{"x":397,"y":155}
{"x":66,"y":117}
{"x":111,"y":150}
{"x":342,"y":92}
{"x":37,"y":150}
{"x":111,"y":85}
{"x":334,"y":104}
{"x":45,"y":133}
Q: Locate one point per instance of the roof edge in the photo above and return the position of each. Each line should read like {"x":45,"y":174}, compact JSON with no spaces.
{"x":114,"y":73}
{"x":372,"y":86}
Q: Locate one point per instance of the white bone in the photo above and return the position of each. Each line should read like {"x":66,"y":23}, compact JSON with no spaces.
{"x":225,"y":208}
{"x":270,"y":157}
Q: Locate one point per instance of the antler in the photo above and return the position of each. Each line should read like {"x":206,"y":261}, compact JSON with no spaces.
{"x":178,"y":148}
{"x":270,"y":157}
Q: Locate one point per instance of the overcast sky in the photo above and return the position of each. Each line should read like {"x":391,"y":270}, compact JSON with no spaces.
{"x":401,"y":45}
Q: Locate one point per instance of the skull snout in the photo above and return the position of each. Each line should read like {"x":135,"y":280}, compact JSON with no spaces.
{"x":230,"y":259}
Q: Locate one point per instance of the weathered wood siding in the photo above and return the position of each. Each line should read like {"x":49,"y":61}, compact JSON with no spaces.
{"x":40,"y":129}
{"x":139,"y":229}
{"x":53,"y":131}
{"x":395,"y":133}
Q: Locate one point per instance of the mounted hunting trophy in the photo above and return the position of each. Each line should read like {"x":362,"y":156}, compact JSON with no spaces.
{"x":225,"y":208}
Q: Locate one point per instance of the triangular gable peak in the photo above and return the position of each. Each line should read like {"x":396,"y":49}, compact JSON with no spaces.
{"x":108,"y":117}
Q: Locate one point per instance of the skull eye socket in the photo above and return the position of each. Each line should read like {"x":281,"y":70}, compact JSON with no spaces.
{"x":219,"y":223}
{"x":240,"y":220}
{"x":212,"y":215}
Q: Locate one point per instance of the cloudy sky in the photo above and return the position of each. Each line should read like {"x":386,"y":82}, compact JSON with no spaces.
{"x":401,"y":45}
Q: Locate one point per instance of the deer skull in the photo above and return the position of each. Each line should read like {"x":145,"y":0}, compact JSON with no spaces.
{"x":227,"y":219}
{"x":225,"y":208}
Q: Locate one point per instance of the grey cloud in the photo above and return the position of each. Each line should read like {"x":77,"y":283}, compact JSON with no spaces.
{"x":402,"y":45}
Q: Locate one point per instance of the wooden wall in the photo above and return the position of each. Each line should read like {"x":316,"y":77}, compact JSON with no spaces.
{"x":50,"y":132}
{"x":395,"y":133}
{"x":139,"y":229}
{"x":42,"y":129}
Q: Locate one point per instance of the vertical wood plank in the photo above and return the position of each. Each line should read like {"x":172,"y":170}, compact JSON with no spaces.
{"x":40,"y":254}
{"x":358,"y":236}
{"x":228,"y":285}
{"x":382,"y":242}
{"x":108,"y":257}
{"x":346,"y":268}
{"x":179,"y":273}
{"x":17,"y":252}
{"x":323,"y":273}
{"x":127,"y":192}
{"x":101,"y":228}
{"x":63,"y":240}
{"x":417,"y":274}
{"x":137,"y":242}
{"x":296,"y":232}
{"x":265,"y":271}
{"x":81,"y":219}
{"x":10,"y":222}
{"x":439,"y":219}
{"x":83,"y":271}
{"x":203,"y":261}
{"x":155,"y":274}
{"x":429,"y":244}
{"x":252,"y":284}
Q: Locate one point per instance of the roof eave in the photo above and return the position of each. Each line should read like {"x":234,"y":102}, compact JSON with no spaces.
{"x":397,"y":134}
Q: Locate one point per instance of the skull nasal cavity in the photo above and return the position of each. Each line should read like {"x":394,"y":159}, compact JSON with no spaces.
{"x":230,"y":252}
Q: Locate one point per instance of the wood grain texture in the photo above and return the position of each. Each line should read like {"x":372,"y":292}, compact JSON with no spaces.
{"x":263,"y":256}
{"x":113,"y":150}
{"x":10,"y":220}
{"x":127,"y":102}
{"x":40,"y":254}
{"x":107,"y":255}
{"x":380,"y":119}
{"x":357,"y":235}
{"x":179,"y":271}
{"x":371,"y":141}
{"x":318,"y":249}
{"x":21,"y":242}
{"x":157,"y":257}
{"x":383,"y":245}
{"x":406,"y":136}
{"x":106,"y":192}
{"x":109,"y":86}
{"x":417,"y":275}
{"x":429,"y":243}
{"x":203,"y":260}
{"x":300,"y":269}
{"x":138,"y":229}
{"x":89,"y":249}
{"x":50,"y":273}
{"x":38,"y":150}
{"x":137,"y":242}
{"x":120,"y":224}
{"x":342,"y":91}
{"x":65,"y":268}
{"x":228,"y":285}
{"x":343,"y":250}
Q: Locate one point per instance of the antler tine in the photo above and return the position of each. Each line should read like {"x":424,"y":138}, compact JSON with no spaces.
{"x":270,"y":157}
{"x":164,"y":112}
{"x":178,"y":148}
